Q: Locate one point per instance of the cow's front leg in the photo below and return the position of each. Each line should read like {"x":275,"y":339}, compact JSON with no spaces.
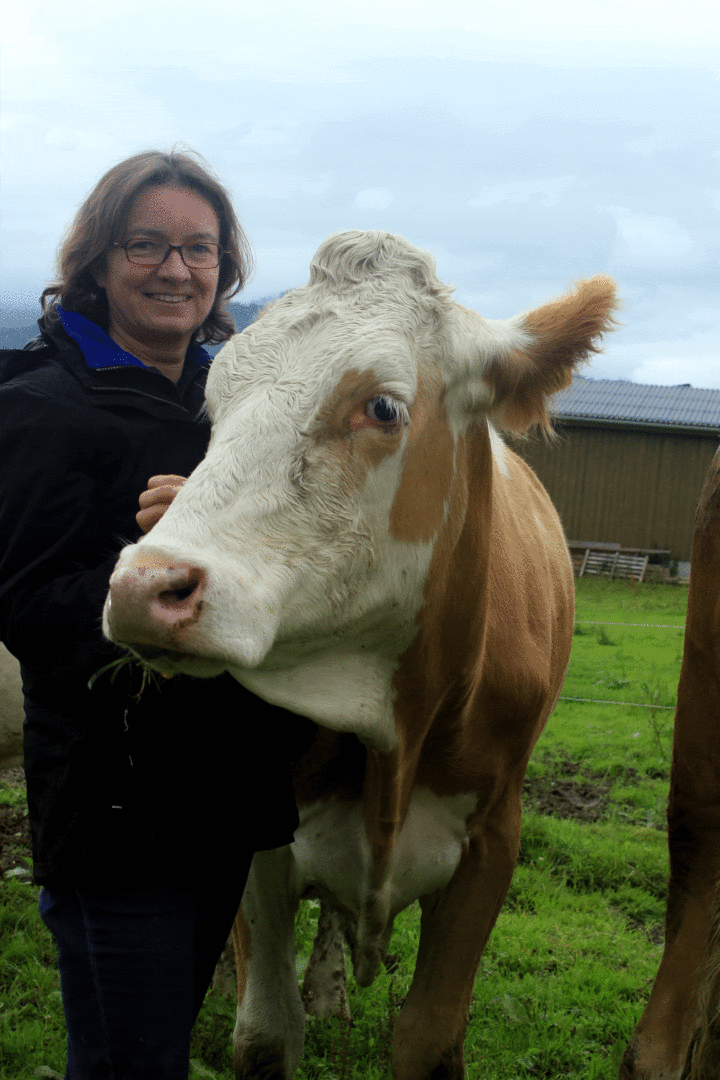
{"x":270,"y":1027}
{"x":456,"y":923}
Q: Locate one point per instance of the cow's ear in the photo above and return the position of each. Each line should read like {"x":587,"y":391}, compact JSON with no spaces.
{"x":512,"y":366}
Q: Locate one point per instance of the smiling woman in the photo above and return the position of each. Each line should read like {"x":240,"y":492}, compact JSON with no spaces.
{"x":101,"y":412}
{"x":156,"y":301}
{"x":121,"y":208}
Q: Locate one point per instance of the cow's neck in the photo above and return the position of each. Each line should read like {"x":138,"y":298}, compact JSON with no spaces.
{"x":344,"y":689}
{"x":429,"y":684}
{"x":381,"y":698}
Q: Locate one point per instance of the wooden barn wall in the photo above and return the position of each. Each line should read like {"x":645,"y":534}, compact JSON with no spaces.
{"x":638,"y":488}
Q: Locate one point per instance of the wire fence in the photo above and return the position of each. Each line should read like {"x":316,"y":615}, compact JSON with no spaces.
{"x":653,"y":625}
{"x":609,"y":701}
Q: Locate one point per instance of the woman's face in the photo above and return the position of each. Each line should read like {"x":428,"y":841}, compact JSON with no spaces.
{"x":162,"y":305}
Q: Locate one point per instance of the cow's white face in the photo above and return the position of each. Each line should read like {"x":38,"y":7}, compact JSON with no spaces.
{"x":290,"y":513}
{"x":297,"y":553}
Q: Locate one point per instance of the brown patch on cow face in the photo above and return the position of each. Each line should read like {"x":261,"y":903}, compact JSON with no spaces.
{"x":418,"y":511}
{"x":341,"y":421}
{"x":564,"y":333}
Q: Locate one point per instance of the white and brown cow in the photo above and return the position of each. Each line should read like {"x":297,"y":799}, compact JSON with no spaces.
{"x":360,"y":547}
{"x":676,"y":1015}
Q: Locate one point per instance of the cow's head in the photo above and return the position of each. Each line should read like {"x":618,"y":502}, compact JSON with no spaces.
{"x":308,"y":530}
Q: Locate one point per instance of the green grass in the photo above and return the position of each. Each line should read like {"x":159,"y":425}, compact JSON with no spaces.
{"x":630,"y":745}
{"x":570,"y":963}
{"x":31,"y":1018}
{"x":598,"y":598}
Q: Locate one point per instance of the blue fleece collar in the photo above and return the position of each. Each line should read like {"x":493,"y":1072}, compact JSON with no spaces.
{"x":99,"y":349}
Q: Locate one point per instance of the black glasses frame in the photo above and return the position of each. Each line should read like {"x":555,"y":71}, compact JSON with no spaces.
{"x":172,"y":247}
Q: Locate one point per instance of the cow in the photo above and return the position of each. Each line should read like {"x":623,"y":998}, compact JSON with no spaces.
{"x":12,"y":712}
{"x":674,"y":1014}
{"x":361,"y":547}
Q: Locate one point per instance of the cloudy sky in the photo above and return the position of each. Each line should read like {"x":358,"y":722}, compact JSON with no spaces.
{"x":525,"y":143}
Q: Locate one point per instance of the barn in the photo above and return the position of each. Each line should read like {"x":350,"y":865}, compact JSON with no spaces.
{"x":629,"y":461}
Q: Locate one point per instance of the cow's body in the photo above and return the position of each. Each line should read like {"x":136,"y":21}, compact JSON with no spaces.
{"x":660,"y":1044}
{"x":12,"y":712}
{"x":360,"y":547}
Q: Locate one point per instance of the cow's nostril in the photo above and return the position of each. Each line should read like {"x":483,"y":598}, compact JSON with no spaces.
{"x":182,"y":587}
{"x":168,"y":596}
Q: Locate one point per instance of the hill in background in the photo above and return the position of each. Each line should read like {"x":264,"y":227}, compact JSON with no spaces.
{"x":19,"y":325}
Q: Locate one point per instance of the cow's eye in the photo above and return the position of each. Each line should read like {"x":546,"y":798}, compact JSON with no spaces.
{"x":386,"y":410}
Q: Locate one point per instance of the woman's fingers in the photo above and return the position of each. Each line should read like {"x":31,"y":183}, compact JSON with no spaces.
{"x":161,"y":491}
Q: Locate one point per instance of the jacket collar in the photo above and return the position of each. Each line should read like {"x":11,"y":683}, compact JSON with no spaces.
{"x":148,"y":388}
{"x":99,"y":349}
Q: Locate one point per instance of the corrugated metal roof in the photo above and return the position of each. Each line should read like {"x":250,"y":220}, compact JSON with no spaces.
{"x":637,"y":403}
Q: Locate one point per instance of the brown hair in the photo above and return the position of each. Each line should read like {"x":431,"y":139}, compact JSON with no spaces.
{"x":102,"y":220}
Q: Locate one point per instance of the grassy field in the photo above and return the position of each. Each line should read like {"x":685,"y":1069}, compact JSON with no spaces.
{"x":570,"y":964}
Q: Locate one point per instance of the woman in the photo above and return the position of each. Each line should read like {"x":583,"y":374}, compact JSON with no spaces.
{"x":146,"y":801}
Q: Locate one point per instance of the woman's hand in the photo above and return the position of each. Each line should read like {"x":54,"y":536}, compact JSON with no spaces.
{"x":161,"y":491}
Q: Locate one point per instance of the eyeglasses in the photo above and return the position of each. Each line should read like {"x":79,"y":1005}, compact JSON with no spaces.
{"x":199,"y":255}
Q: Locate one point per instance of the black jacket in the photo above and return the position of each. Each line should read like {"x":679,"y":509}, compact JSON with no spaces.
{"x":124,"y":786}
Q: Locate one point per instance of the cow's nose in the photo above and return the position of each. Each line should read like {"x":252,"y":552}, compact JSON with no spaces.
{"x":154,"y":601}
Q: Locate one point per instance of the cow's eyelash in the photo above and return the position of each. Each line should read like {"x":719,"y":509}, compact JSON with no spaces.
{"x":388,"y":403}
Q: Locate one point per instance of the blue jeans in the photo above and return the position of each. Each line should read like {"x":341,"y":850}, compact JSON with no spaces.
{"x":134,"y":969}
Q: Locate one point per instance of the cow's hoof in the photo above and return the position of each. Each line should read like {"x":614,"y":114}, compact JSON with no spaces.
{"x":257,"y":1062}
{"x":450,"y":1067}
{"x":627,"y":1064}
{"x":636,"y":1064}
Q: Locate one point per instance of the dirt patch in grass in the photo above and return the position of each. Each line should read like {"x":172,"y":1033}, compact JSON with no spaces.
{"x":560,"y":793}
{"x":581,"y":800}
{"x":655,"y":932}
{"x":14,"y":825}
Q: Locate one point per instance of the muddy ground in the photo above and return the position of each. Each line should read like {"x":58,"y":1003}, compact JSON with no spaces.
{"x":562,"y":795}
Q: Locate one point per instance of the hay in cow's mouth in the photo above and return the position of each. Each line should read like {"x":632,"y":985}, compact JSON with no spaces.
{"x":149,"y":674}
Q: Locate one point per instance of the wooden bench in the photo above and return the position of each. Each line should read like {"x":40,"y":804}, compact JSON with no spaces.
{"x":610,"y":560}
